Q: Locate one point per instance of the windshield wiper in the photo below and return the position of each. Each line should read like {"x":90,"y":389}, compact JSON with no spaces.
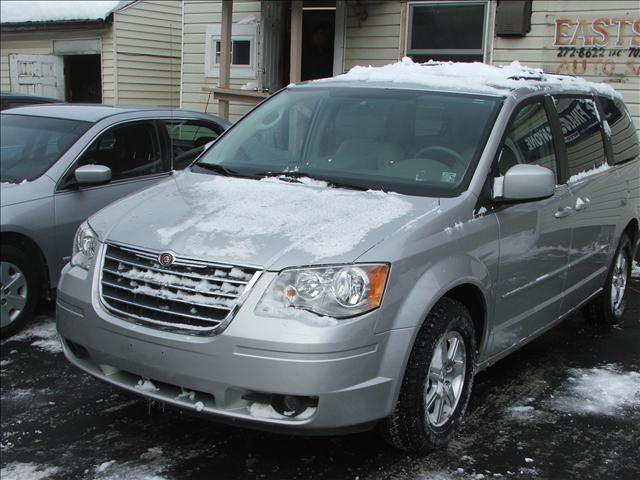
{"x":220,"y":170}
{"x":295,"y":176}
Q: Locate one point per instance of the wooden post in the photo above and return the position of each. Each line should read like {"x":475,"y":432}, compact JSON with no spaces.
{"x":296,"y":41}
{"x":225,"y":55}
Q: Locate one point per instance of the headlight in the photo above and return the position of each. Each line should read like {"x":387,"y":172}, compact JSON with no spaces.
{"x":336,"y":291}
{"x":85,"y":246}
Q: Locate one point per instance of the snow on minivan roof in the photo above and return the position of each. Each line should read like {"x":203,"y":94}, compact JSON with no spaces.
{"x":468,"y":77}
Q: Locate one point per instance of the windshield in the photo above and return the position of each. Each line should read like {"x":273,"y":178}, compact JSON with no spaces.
{"x":407,"y":141}
{"x":30,"y":145}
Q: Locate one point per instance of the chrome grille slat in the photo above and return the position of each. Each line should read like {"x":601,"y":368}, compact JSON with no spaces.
{"x":178,"y":300}
{"x":193,"y":317}
{"x":194,"y":276}
{"x":165,"y":324}
{"x":135,"y":287}
{"x":171,"y":285}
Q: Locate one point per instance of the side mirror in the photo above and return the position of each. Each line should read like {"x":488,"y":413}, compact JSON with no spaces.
{"x":524,"y":183}
{"x":92,"y":174}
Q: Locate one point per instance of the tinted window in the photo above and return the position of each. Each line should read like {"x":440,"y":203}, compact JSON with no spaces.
{"x":582,"y":134}
{"x":529,"y":140}
{"x":188,"y":139}
{"x":30,"y":145}
{"x":624,"y":139}
{"x":407,"y":141}
{"x":447,"y":31}
{"x":129,"y":150}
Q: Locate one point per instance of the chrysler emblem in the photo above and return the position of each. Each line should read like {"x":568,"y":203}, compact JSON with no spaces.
{"x":166,"y":259}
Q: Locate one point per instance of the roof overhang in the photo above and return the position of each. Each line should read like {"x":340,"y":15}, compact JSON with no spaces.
{"x":57,"y":25}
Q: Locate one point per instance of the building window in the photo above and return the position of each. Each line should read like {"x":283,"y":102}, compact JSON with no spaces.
{"x":453,"y":30}
{"x":240,"y":52}
{"x":243,"y":51}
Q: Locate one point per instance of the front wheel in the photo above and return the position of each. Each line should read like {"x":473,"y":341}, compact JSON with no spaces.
{"x":437,"y":383}
{"x":608,"y":307}
{"x":19,"y":290}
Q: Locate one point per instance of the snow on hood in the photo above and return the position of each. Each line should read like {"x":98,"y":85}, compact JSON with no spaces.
{"x":53,"y":10}
{"x":473,"y":77}
{"x":234,"y":220}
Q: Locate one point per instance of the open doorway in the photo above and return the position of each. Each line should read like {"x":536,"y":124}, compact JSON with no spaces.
{"x":318,"y":33}
{"x":83,"y":78}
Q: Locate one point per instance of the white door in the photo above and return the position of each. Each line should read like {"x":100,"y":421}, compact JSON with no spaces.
{"x":37,"y":75}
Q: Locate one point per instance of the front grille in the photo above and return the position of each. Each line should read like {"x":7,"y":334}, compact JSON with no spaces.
{"x":189,"y":296}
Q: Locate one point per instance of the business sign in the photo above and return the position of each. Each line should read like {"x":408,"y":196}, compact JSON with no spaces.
{"x":602,"y":46}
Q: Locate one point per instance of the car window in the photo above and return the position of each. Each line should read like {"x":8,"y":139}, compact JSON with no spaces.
{"x":529,"y":140}
{"x":188,"y":139}
{"x":129,"y":150}
{"x":408,"y":141}
{"x":624,"y":140}
{"x":582,"y":134}
{"x":29,"y":145}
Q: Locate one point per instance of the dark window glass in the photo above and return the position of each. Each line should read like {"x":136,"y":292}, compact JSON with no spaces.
{"x":129,"y":150}
{"x":529,"y":140}
{"x":438,"y":30}
{"x":406,"y":141}
{"x":582,"y":134}
{"x":240,"y":52}
{"x":188,"y":140}
{"x":30,"y":145}
{"x":624,"y":139}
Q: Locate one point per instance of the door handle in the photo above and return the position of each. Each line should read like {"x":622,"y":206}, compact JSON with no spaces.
{"x":582,"y":203}
{"x":563,"y":212}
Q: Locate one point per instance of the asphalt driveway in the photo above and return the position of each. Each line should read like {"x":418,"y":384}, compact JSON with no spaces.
{"x":565,"y":406}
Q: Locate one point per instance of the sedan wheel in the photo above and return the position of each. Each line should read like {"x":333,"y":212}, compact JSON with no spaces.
{"x":19,"y":289}
{"x":13,"y":293}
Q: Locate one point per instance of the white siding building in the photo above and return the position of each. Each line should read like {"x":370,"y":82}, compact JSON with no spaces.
{"x":593,"y":39}
{"x":129,"y":55}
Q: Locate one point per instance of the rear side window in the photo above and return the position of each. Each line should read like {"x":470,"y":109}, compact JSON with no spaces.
{"x":582,"y":134}
{"x":529,"y":140}
{"x":624,"y":139}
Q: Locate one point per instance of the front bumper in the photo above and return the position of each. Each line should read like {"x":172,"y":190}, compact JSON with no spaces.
{"x":353,"y":373}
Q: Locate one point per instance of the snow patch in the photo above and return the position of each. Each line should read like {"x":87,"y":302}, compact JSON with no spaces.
{"x":605,"y":390}
{"x":263,"y":410}
{"x":587,"y":173}
{"x":27,"y":471}
{"x":469,"y":77}
{"x":6,"y":362}
{"x":50,"y":10}
{"x":42,"y":335}
{"x":103,"y":466}
{"x":146,"y":385}
{"x":324,"y":222}
{"x":272,"y":308}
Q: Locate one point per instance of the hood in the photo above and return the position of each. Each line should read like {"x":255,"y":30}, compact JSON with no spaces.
{"x":13,"y":193}
{"x":268,"y":223}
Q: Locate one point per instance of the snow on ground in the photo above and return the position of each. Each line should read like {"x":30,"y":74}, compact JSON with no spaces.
{"x":27,"y":471}
{"x":42,"y":334}
{"x":43,"y":11}
{"x":587,"y":173}
{"x":474,"y":77}
{"x":150,"y":466}
{"x":635,"y":271}
{"x":606,"y":390}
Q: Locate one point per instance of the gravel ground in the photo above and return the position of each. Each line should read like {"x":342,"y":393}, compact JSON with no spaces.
{"x":565,"y":406}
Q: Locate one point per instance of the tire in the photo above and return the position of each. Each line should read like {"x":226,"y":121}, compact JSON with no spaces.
{"x":413,"y":425}
{"x":19,"y":290}
{"x":605,"y":309}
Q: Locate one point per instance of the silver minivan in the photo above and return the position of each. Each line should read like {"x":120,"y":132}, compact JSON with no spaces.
{"x":351,"y":252}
